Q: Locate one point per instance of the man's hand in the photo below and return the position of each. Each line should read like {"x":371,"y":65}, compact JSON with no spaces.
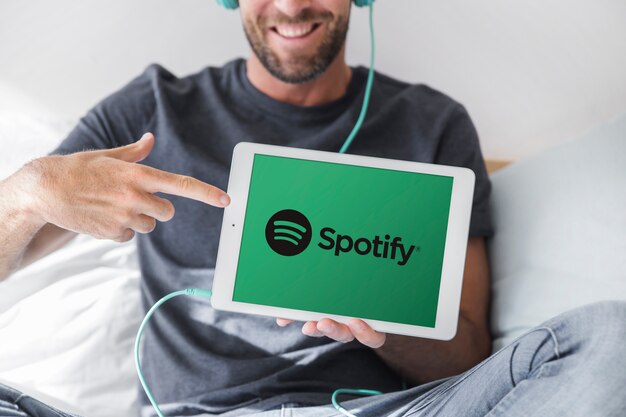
{"x":355,"y":329}
{"x":105,"y":193}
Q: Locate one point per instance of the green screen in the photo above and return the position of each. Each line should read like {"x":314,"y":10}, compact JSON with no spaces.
{"x":366,"y":267}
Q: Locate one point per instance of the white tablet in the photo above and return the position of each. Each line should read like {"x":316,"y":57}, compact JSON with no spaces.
{"x":312,"y":234}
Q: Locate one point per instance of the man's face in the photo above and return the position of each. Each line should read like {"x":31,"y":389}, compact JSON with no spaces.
{"x":296,"y":40}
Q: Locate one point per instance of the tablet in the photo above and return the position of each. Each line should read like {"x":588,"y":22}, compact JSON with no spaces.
{"x":312,"y":234}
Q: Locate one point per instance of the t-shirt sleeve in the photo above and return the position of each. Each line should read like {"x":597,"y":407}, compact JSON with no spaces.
{"x":459,"y":146}
{"x":117,"y":120}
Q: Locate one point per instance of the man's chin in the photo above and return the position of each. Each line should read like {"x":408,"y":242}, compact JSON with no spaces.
{"x":298,"y":72}
{"x":295,"y":77}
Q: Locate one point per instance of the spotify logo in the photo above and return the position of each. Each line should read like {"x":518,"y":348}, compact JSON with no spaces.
{"x":288,"y":232}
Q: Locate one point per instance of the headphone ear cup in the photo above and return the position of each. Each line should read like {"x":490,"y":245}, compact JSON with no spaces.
{"x":362,"y":3}
{"x":228,"y":4}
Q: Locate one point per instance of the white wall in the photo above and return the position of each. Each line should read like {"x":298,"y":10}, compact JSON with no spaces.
{"x":532,"y":73}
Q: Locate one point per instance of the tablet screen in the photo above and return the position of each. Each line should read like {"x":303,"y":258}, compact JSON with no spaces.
{"x":343,"y":239}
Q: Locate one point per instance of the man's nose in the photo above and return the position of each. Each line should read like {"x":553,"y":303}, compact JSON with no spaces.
{"x":292,"y":7}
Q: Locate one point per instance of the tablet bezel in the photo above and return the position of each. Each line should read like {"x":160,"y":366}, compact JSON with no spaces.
{"x":454,"y":251}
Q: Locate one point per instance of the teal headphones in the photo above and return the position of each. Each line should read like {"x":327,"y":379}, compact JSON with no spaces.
{"x":233,"y":4}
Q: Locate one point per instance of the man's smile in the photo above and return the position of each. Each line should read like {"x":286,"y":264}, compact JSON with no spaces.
{"x":291,"y":31}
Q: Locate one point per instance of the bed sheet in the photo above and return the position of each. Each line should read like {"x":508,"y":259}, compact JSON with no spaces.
{"x":67,"y":328}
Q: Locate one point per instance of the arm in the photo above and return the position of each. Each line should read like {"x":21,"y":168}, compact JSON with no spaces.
{"x":20,"y":226}
{"x":421,"y":360}
{"x":102,"y":193}
{"x":24,"y":238}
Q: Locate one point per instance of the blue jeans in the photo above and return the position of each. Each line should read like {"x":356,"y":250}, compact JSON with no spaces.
{"x":572,"y":365}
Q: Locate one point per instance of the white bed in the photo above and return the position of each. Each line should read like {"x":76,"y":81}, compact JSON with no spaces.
{"x":68,"y":322}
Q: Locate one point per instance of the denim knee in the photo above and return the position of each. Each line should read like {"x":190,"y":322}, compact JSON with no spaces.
{"x":599,"y":328}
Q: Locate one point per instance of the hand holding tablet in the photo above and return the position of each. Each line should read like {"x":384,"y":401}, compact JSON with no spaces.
{"x":354,"y":329}
{"x":312,"y":235}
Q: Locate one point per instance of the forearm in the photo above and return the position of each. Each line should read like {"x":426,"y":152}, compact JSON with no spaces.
{"x":19,"y":225}
{"x":421,"y":360}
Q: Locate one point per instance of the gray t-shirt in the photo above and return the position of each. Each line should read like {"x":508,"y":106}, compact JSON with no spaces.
{"x":201,"y":360}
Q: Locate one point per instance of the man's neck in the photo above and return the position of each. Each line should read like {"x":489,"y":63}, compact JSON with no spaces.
{"x":331,"y":85}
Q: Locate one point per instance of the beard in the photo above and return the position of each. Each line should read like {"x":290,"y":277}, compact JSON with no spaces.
{"x":299,"y":67}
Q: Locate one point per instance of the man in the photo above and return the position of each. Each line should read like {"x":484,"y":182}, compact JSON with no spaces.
{"x":295,"y":89}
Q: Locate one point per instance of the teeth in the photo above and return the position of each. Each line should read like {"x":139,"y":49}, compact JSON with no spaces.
{"x":294,"y":31}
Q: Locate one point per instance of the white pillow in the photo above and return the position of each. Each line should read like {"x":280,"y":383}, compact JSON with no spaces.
{"x":67,"y":326}
{"x":560,"y":239}
{"x":25,"y":137}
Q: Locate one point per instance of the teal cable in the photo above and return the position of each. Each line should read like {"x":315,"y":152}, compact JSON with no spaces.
{"x":340,"y":391}
{"x":198,"y":292}
{"x":204,"y":293}
{"x":355,"y":130}
{"x":368,"y":87}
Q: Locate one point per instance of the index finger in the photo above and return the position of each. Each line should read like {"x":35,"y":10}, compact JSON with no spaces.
{"x":185,"y":186}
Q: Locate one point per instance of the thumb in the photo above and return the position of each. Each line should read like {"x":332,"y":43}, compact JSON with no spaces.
{"x":134,"y":152}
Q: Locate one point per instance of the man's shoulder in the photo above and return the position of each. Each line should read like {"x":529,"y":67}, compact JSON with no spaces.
{"x":158,"y":76}
{"x":156,"y":84}
{"x":415,"y":96}
{"x":417,"y":92}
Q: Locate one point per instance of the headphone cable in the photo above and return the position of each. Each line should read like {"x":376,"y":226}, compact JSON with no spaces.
{"x":368,"y":87}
